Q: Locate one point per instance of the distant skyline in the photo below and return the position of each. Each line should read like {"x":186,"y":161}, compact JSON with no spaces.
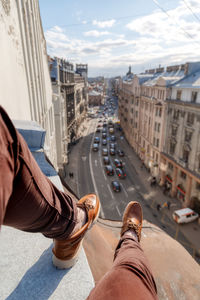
{"x":111,"y":35}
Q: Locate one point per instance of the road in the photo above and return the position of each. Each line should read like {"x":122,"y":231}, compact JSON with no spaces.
{"x":92,"y":177}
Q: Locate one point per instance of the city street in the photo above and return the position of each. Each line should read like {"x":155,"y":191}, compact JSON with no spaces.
{"x":91,"y":177}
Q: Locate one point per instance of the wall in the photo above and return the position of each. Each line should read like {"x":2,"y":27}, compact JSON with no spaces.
{"x":25,"y":87}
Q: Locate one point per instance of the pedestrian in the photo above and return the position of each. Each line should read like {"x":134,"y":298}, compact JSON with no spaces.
{"x":30,"y":202}
{"x":165,"y":204}
{"x":168,"y":205}
{"x":158,"y":207}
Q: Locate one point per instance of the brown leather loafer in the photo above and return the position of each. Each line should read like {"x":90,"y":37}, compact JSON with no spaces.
{"x":132,"y":218}
{"x":66,"y":252}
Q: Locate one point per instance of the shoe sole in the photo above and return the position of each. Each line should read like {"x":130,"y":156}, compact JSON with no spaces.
{"x":67,"y":264}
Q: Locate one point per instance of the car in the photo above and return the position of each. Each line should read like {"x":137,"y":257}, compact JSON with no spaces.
{"x":120,"y":153}
{"x":113,"y":145}
{"x":104,"y":142}
{"x":95,"y":147}
{"x":96,"y":140}
{"x":104,"y":135}
{"x":116,"y":186}
{"x":112,"y":151}
{"x":104,"y":130}
{"x":99,"y":125}
{"x":111,"y":130}
{"x":98,"y":130}
{"x":120,"y":173}
{"x":105,"y":152}
{"x":100,"y":121}
{"x":184,"y":215}
{"x":106,"y":160}
{"x":113,"y":138}
{"x":109,"y":170}
{"x":118,"y":163}
{"x":104,"y":124}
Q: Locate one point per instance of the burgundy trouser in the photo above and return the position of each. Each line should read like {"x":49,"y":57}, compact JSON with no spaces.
{"x":28,"y":199}
{"x":30,"y":202}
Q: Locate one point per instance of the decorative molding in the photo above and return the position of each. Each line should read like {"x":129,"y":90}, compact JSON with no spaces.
{"x":6,"y":6}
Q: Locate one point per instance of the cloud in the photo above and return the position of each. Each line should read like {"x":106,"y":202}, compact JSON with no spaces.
{"x":103,"y":24}
{"x":96,"y":33}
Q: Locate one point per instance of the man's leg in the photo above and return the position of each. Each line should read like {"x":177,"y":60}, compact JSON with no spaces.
{"x":28,"y":200}
{"x":130,"y":277}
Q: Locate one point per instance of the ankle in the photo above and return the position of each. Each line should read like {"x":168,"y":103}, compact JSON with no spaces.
{"x":81,"y":220}
{"x":131,"y":233}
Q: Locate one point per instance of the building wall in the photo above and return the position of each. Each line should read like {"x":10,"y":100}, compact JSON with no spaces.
{"x":25,"y":88}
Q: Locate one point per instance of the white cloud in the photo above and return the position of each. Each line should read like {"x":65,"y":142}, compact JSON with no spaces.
{"x":96,"y":33}
{"x":103,"y":24}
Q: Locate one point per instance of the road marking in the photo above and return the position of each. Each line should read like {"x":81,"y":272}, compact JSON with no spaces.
{"x":104,"y":175}
{"x":130,"y":189}
{"x":92,"y":175}
{"x":95,"y":162}
{"x":118,"y":211}
{"x":124,"y":190}
{"x":101,"y":163}
{"x":110,"y":191}
{"x":84,"y":158}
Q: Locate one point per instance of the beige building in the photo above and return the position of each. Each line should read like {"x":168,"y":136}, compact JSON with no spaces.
{"x":25,"y":86}
{"x":181,"y":152}
{"x":144,"y":102}
{"x":95,"y":98}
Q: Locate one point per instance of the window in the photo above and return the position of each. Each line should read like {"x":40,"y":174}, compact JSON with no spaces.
{"x":132,"y":110}
{"x":194,"y":97}
{"x":156,"y":157}
{"x":158,"y":127}
{"x":176,"y":114}
{"x":172,"y":148}
{"x":190,"y":118}
{"x":197,"y":185}
{"x":143,"y":144}
{"x":136,"y":114}
{"x":170,"y":166}
{"x":188,"y":136}
{"x":183,"y":175}
{"x":157,"y":143}
{"x":154,"y":141}
{"x":135,"y":124}
{"x":131,"y":121}
{"x":160,"y":112}
{"x":185,"y":155}
{"x":178,"y":95}
{"x":174,"y":130}
{"x":155,"y":126}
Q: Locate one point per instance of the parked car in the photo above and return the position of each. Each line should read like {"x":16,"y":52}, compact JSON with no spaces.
{"x":109,"y":170}
{"x":104,"y":135}
{"x":120,"y":173}
{"x":105,"y":152}
{"x":113,"y":138}
{"x":96,"y":140}
{"x":104,"y":142}
{"x":98,"y":130}
{"x":112,"y":151}
{"x":120,"y":153}
{"x":106,"y":160}
{"x":184,"y":215}
{"x":118,"y":163}
{"x":104,"y":130}
{"x":116,"y":186}
{"x":95,"y":147}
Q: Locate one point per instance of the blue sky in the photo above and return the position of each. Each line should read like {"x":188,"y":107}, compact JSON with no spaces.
{"x":111,"y":35}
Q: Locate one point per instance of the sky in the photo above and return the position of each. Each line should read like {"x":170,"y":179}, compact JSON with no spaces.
{"x":111,"y":35}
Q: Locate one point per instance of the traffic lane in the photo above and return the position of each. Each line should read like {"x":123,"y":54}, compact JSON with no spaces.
{"x":103,"y":183}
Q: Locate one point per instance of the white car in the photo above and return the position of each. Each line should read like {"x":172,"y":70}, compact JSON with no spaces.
{"x":184,"y":215}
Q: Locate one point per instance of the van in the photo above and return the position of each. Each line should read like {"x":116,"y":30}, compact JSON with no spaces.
{"x":184,"y":215}
{"x":111,"y":130}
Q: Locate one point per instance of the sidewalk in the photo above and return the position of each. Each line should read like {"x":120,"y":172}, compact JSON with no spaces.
{"x":155,"y":196}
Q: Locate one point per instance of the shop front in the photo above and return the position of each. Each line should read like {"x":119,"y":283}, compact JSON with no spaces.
{"x":180,"y":193}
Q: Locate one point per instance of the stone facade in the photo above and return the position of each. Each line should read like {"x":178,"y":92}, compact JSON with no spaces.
{"x":25,"y":85}
{"x":159,"y":112}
